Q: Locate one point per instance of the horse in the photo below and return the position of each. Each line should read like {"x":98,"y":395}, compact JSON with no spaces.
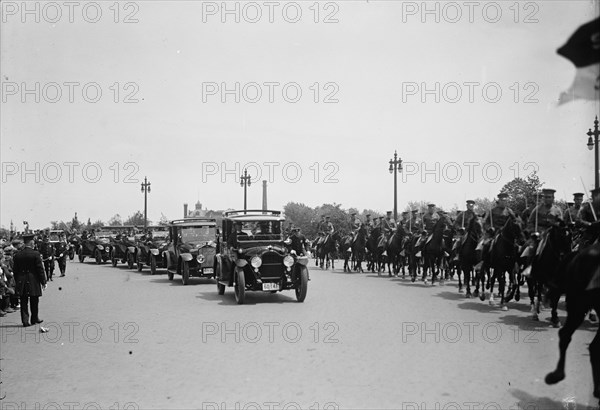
{"x":503,"y":257}
{"x":468,"y":256}
{"x":346,"y":246}
{"x":411,"y":250}
{"x":328,"y":249}
{"x":394,"y":249}
{"x":376,"y":246}
{"x":546,"y":265}
{"x":434,"y":250}
{"x":582,"y":277}
{"x":358,"y":248}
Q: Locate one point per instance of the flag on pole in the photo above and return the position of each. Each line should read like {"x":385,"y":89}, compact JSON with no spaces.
{"x":583,"y":50}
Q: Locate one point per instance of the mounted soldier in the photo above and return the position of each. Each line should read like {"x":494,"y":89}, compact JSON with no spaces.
{"x":389,"y":225}
{"x":429,"y":220}
{"x":463,"y":221}
{"x":543,"y":217}
{"x":573,"y":215}
{"x":369,"y":224}
{"x":414,"y":224}
{"x":589,"y":220}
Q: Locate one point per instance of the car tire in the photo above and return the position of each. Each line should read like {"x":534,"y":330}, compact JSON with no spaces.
{"x":130,"y":261}
{"x":302,"y":287}
{"x":139,"y":263}
{"x":240,"y":286}
{"x":220,"y":287}
{"x":113,"y":258}
{"x":185,"y":273}
{"x":71,"y":255}
{"x":81,"y":256}
{"x":98,"y":256}
{"x":152,"y":265}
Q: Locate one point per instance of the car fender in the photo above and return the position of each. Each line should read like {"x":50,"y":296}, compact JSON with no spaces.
{"x":167,"y":258}
{"x":186,"y":257}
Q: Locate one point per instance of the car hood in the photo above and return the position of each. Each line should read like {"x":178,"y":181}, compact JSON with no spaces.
{"x":252,"y":251}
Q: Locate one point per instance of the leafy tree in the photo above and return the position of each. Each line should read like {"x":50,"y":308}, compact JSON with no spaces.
{"x":115,"y":221}
{"x":302,"y":216}
{"x":96,"y":225}
{"x":483,"y":205}
{"x":338,"y":217}
{"x":136,"y":219}
{"x":522,"y":192}
{"x":163,"y":220}
{"x":89,"y":223}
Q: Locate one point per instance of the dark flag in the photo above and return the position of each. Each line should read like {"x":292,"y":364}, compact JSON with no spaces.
{"x":583,"y":50}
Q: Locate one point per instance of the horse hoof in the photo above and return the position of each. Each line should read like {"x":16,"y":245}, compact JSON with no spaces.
{"x":504,"y":308}
{"x":476,"y":293}
{"x":412,"y":280}
{"x":535,"y":317}
{"x":460,"y":290}
{"x":468,"y":296}
{"x":555,"y":322}
{"x":518,"y":296}
{"x":554,"y":377}
{"x":482,"y":297}
{"x":424,"y":282}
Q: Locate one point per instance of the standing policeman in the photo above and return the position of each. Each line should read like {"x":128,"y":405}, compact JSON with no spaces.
{"x":29,"y":277}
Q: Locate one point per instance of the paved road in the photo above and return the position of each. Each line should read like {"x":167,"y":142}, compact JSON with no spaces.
{"x":123,"y":339}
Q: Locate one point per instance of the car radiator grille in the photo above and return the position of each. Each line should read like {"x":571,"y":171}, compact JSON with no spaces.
{"x":272,"y":266}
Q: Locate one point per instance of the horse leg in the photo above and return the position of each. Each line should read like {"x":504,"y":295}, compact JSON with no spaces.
{"x":554,"y":296}
{"x":575,"y":316}
{"x":460,"y":285}
{"x":501,"y":289}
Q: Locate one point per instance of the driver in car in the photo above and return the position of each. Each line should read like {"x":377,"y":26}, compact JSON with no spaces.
{"x":232,"y":241}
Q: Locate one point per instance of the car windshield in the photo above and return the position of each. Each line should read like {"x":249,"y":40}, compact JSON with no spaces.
{"x":260,"y":230}
{"x":197,"y":234}
{"x":53,"y":237}
{"x":103,"y":234}
{"x":160,"y":234}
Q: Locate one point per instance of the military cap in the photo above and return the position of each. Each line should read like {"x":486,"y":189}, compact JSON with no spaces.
{"x":327,"y":217}
{"x":414,"y":211}
{"x":388,"y":212}
{"x":548,"y":191}
{"x":405,"y":213}
{"x":296,"y":228}
{"x":368,"y":215}
{"x":470,"y":201}
{"x":353,"y":213}
{"x":570,"y":204}
{"x":28,"y":237}
{"x":502,"y":195}
{"x":430,"y":205}
{"x":381,"y":217}
{"x":578,"y":195}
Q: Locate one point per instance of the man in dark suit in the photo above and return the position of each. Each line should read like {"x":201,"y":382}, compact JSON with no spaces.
{"x":30,"y":277}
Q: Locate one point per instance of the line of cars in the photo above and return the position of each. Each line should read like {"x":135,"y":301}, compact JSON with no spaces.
{"x":249,"y":252}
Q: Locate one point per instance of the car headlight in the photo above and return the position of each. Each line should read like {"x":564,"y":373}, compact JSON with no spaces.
{"x":200,"y":258}
{"x":288,"y":261}
{"x":101,"y":247}
{"x":256,"y":262}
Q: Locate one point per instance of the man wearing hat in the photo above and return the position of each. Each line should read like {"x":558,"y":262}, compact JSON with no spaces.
{"x":463,"y":218}
{"x":369,"y":224}
{"x":232,"y":241}
{"x":545,"y":215}
{"x":590,"y":220}
{"x":298,"y":241}
{"x":389,"y":225}
{"x":355,"y":222}
{"x":321,"y":225}
{"x":498,"y":215}
{"x":414,"y":224}
{"x":30,"y":277}
{"x":430,"y":219}
{"x":572,"y":215}
{"x":403,"y":219}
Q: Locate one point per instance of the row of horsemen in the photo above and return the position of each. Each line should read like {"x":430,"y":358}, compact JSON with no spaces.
{"x":434,"y":241}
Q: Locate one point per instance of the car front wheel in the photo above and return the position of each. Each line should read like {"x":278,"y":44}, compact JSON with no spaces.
{"x":152,"y":265}
{"x":240,"y":287}
{"x":185,"y":273}
{"x":302,"y":287}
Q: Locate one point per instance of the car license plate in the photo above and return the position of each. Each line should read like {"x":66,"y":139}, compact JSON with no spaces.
{"x":208,"y":270}
{"x":270,"y":286}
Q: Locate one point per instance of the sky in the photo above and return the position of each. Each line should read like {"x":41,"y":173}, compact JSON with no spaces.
{"x":314,"y":97}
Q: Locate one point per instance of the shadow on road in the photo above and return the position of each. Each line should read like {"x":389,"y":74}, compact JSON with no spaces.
{"x":252,"y":298}
{"x":527,"y":401}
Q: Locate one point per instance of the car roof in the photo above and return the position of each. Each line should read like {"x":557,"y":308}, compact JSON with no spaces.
{"x":253,"y":215}
{"x":194,"y":222}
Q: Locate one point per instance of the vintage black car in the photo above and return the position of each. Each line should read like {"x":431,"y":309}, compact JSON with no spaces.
{"x":96,"y":245}
{"x":61,"y":248}
{"x":150,"y":248}
{"x":123,"y":245}
{"x":255,"y":256}
{"x":191,"y":252}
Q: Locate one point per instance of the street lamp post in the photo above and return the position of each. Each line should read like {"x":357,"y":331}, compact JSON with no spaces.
{"x":145,"y":191}
{"x":245,"y":182}
{"x":593,"y":143}
{"x":395,"y":168}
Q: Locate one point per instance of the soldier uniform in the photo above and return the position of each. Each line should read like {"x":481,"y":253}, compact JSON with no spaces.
{"x":29,"y":277}
{"x":547,"y":214}
{"x":590,"y":219}
{"x":463,"y":218}
{"x":430,"y":219}
{"x":497,"y":217}
{"x":298,"y":241}
{"x":369,"y":224}
{"x":389,"y":225}
{"x":414,"y":224}
{"x":574,"y":210}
